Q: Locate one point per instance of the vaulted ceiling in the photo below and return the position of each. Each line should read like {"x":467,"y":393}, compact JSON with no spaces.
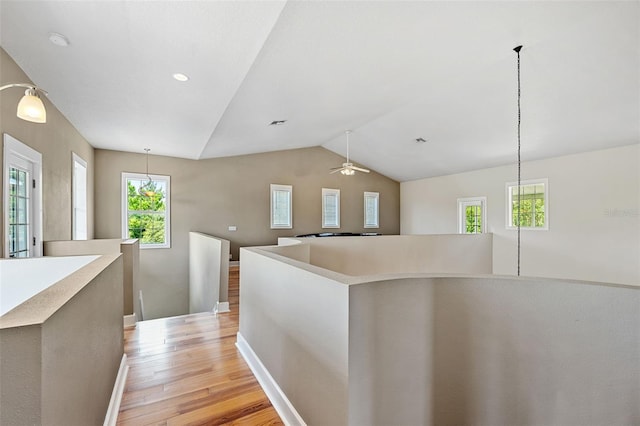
{"x":391,"y":71}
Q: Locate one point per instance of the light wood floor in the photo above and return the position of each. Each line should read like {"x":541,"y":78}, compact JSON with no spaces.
{"x":187,"y":371}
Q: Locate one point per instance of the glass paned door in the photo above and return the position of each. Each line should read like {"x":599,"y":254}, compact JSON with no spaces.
{"x":21,"y":199}
{"x":19,"y":212}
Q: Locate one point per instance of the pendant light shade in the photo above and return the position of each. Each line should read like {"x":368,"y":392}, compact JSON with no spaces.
{"x":30,"y":107}
{"x":148,"y":189}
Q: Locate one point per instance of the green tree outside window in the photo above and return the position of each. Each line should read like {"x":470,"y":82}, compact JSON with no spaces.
{"x":146,"y":214}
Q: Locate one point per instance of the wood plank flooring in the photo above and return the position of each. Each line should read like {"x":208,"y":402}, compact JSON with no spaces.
{"x":187,"y":371}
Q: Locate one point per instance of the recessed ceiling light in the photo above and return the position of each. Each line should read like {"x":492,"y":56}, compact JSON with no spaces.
{"x":420,"y":140}
{"x":180,"y":77}
{"x":58,"y":39}
{"x":277,"y":122}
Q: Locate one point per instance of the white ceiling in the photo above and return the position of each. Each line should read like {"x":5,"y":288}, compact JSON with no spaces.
{"x":391,"y":71}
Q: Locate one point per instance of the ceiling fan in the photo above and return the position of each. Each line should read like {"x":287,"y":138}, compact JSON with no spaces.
{"x":348,"y":168}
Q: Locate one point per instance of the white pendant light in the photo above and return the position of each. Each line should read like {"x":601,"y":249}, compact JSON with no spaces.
{"x":30,"y":107}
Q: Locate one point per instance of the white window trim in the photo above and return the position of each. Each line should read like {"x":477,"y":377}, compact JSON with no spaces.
{"x":13,"y":148}
{"x":281,"y":188}
{"x":75,"y":158}
{"x":471,"y":201}
{"x":336,"y":194}
{"x":509,"y":203}
{"x":167,"y":216}
{"x":376,"y":196}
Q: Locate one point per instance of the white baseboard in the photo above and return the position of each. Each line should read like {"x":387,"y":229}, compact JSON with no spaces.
{"x":278,"y":399}
{"x":221,"y":307}
{"x":234,"y":263}
{"x":116,"y":396}
{"x":129,"y":320}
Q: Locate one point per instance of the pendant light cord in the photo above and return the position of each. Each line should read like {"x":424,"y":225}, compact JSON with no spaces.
{"x":517,"y":49}
{"x":348,"y":132}
{"x":147,"y":151}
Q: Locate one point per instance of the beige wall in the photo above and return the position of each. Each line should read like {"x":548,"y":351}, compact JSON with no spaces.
{"x":62,"y":348}
{"x":55,"y":140}
{"x":594,"y":215}
{"x":210,"y":195}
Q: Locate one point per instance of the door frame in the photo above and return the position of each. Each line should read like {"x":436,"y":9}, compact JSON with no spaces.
{"x":14,"y":149}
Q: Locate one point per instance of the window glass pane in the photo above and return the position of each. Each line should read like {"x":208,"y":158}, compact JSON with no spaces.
{"x":22,"y":183}
{"x":13,"y":209}
{"x":531,"y":210}
{"x":12,"y":238}
{"x":13,"y":181}
{"x":79,"y":198}
{"x":330,"y":208}
{"x":80,"y":217}
{"x":21,"y":210}
{"x":148,"y":227}
{"x":147,"y":209}
{"x":471,"y":212}
{"x":473,"y":219}
{"x":18,"y":231}
{"x":23,"y":232}
{"x":280,"y":208}
{"x":371,"y":207}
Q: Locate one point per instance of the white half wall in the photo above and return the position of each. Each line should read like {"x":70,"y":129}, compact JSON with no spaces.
{"x":594,"y":215}
{"x":386,"y":254}
{"x":208,"y":273}
{"x":62,"y":348}
{"x":296,"y":322}
{"x":130,"y":249}
{"x":440,"y":349}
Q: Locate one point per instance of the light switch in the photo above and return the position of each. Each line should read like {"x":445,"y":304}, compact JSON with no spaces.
{"x":232,"y":228}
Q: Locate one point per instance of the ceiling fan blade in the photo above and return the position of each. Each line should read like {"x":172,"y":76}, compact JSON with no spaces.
{"x":360,"y":169}
{"x":336,"y":170}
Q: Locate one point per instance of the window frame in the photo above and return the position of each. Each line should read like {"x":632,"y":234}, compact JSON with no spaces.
{"x":331,"y":193}
{"x":167,"y":213}
{"x":375,"y":196}
{"x":509,"y":204}
{"x":462,"y":214}
{"x":76,"y":159}
{"x":273,"y":188}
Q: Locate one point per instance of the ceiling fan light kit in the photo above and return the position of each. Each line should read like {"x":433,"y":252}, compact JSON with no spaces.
{"x":348,"y":169}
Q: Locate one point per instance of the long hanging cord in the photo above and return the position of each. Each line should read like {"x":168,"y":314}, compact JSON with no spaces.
{"x":348,"y":132}
{"x":517,"y":49}
{"x":147,"y":151}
